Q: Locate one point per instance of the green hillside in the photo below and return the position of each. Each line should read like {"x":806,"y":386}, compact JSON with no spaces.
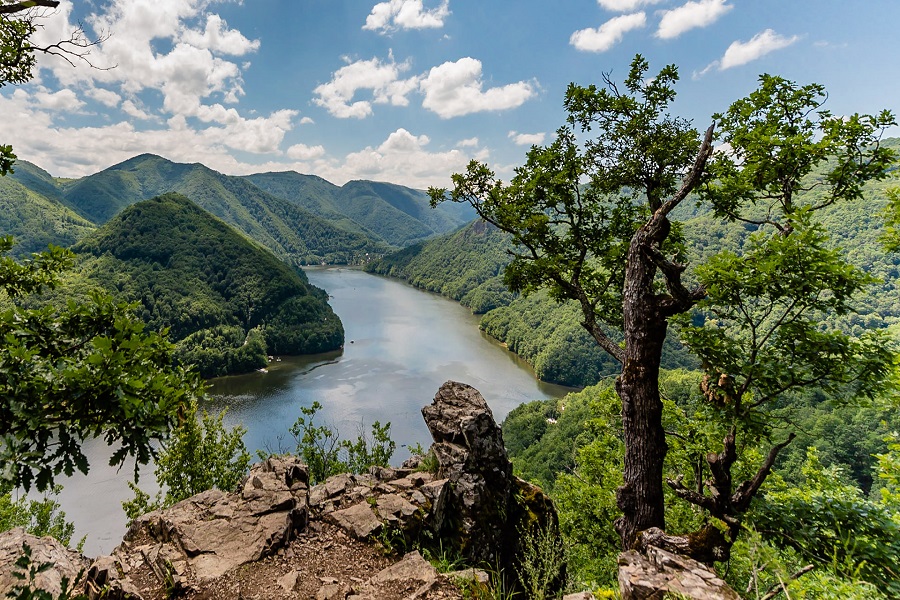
{"x":227,"y":301}
{"x":34,"y":219}
{"x":290,"y":232}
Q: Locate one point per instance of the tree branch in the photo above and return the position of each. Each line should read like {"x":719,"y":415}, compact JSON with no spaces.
{"x":692,"y":179}
{"x":745,"y":492}
{"x":782,"y":586}
{"x":8,"y":9}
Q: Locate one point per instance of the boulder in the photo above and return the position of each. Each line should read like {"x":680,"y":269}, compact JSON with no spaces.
{"x":661,"y":574}
{"x":213,"y":532}
{"x":65,"y":563}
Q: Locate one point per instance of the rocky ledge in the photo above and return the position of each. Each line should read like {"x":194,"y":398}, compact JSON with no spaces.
{"x":277,"y":537}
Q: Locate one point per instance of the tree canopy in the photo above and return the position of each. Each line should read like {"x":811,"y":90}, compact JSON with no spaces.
{"x":591,"y":217}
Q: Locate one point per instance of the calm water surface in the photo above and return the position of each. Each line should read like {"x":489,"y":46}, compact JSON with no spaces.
{"x":401,"y":345}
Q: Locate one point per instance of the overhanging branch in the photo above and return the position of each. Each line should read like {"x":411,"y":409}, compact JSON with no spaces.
{"x":8,"y":9}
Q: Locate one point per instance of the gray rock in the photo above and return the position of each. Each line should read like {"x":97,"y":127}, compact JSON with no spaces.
{"x":214,"y":532}
{"x":66,"y":563}
{"x":358,"y":520}
{"x":489,"y":506}
{"x":412,"y":567}
{"x":661,"y":574}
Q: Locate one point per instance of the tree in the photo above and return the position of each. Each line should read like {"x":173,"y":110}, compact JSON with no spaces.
{"x":200,"y":455}
{"x":81,"y":371}
{"x":593,"y":221}
{"x":19,"y":21}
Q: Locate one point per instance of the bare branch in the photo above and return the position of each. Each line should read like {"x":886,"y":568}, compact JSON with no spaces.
{"x":693,"y":177}
{"x":745,"y":492}
{"x":8,"y":9}
{"x":782,"y":586}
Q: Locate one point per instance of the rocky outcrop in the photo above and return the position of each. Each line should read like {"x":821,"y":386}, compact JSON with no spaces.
{"x":492,"y":509}
{"x":293,"y":534}
{"x":659,"y":574}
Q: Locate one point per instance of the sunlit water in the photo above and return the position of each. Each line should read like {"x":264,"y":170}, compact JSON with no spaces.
{"x":401,"y":345}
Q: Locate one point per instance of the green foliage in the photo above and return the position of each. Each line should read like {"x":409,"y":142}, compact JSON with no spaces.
{"x":889,"y":474}
{"x":38,"y":517}
{"x":26,"y":571}
{"x":829,"y":522}
{"x":17,"y":59}
{"x":326,"y":454}
{"x":465,"y":265}
{"x":201,"y":454}
{"x":33,"y":219}
{"x":84,"y":370}
{"x":7,"y":159}
{"x":542,"y":558}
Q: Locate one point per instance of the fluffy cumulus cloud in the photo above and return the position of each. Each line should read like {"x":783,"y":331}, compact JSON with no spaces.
{"x":690,"y":16}
{"x":382,"y":79}
{"x":607,"y":35}
{"x":406,"y":14}
{"x":178,"y":48}
{"x":304,"y":152}
{"x":60,"y":101}
{"x":740,"y":53}
{"x":456,"y":88}
{"x":402,"y":157}
{"x":527,"y":139}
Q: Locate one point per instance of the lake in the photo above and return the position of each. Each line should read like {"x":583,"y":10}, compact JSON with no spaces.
{"x":401,"y":345}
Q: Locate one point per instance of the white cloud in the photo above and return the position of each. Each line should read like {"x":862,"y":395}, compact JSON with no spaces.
{"x":104,"y":97}
{"x":527,"y":139}
{"x":471,"y":142}
{"x":608,"y":34}
{"x":304,"y":152}
{"x":132,"y":110}
{"x":402,"y":157}
{"x":188,"y":74}
{"x":455,"y":88}
{"x":740,"y":53}
{"x":406,"y":14}
{"x":218,"y":38}
{"x":60,"y":101}
{"x":306,"y":121}
{"x":382,"y":78}
{"x":690,"y":16}
{"x":625,"y":5}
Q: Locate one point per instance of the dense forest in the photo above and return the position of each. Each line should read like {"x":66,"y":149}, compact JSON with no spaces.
{"x":227,"y":302}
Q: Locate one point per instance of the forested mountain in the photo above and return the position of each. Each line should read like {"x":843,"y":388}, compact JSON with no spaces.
{"x":32,"y":213}
{"x":292,"y":233}
{"x":227,"y":301}
{"x":394,"y":213}
{"x":467,"y":266}
{"x":303,"y":219}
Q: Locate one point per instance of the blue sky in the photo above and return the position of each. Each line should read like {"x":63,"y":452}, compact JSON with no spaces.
{"x":409,"y":91}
